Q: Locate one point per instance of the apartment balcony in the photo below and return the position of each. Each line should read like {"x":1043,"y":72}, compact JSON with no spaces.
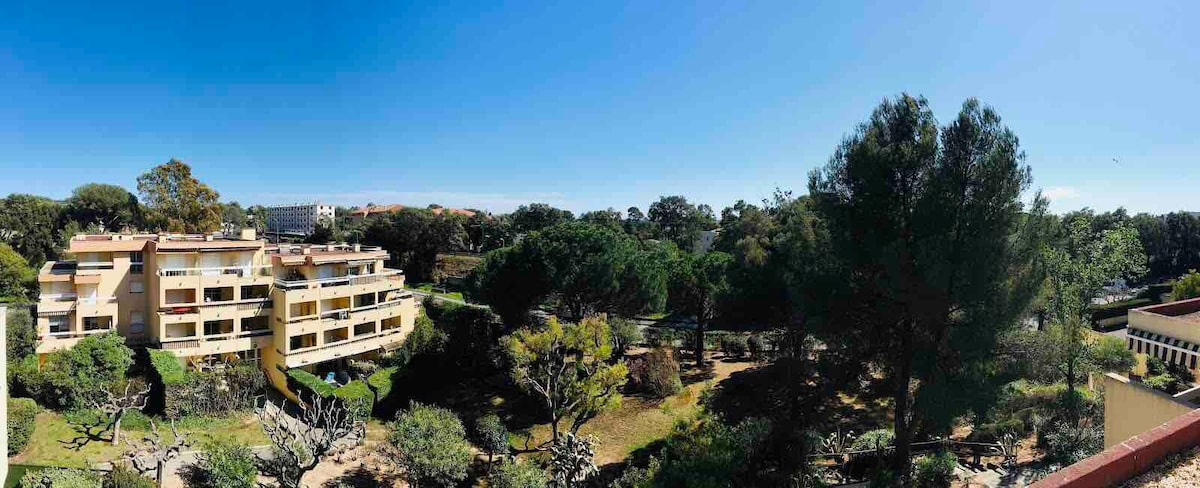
{"x":259,"y":274}
{"x":57,"y":302}
{"x":93,"y":265}
{"x":355,"y":345}
{"x":96,"y":307}
{"x":338,"y":287}
{"x":217,"y":344}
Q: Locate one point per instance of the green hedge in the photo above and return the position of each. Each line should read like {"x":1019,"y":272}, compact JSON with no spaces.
{"x":358,"y":397}
{"x":310,"y":383}
{"x":166,"y":364}
{"x":381,"y":382}
{"x":22,"y":419}
{"x":1117,"y":309}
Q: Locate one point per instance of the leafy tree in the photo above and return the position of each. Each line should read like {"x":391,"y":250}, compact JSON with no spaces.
{"x":178,"y":202}
{"x":609,"y":219}
{"x":431,"y":446}
{"x":698,"y":284}
{"x":572,"y":461}
{"x":680,"y":221}
{"x":625,"y":334}
{"x":28,"y":223}
{"x":109,"y":206}
{"x":227,"y":464}
{"x":80,"y":376}
{"x":637,"y":225}
{"x":582,"y":268}
{"x":233,"y":217}
{"x":710,"y":454}
{"x":938,"y":256}
{"x":567,"y":368}
{"x":538,"y":216}
{"x":256,"y":216}
{"x":17,"y":279}
{"x":514,"y":474}
{"x":414,"y":237}
{"x":1187,"y":286}
{"x":491,"y":436}
{"x":323,"y":233}
{"x":1078,"y":267}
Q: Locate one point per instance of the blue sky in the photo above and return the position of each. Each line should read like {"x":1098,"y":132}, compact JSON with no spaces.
{"x":583,"y":105}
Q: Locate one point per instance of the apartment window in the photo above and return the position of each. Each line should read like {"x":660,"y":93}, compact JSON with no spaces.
{"x":250,"y":355}
{"x":96,"y":323}
{"x":364,"y":329}
{"x":136,"y":287}
{"x":137,"y":322}
{"x":255,"y":324}
{"x":302,"y":341}
{"x":58,"y":324}
{"x":135,"y":262}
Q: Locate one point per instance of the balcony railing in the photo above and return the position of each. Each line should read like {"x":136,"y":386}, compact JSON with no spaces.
{"x":58,"y":297}
{"x":256,"y":270}
{"x":94,"y":265}
{"x":336,"y":281}
{"x":97,"y":300}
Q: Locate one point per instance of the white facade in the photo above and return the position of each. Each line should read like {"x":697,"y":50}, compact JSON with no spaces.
{"x":299,"y":218}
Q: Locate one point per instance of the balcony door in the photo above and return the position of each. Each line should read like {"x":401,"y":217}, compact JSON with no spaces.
{"x":210,"y":264}
{"x":89,"y":293}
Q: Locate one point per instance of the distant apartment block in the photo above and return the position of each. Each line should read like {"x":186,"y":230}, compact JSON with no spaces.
{"x":297,"y":219}
{"x":211,"y":299}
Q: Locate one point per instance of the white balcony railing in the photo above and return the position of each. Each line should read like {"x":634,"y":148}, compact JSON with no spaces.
{"x":97,"y":300}
{"x":58,"y":297}
{"x":94,"y":265}
{"x":336,"y":281}
{"x":256,"y":270}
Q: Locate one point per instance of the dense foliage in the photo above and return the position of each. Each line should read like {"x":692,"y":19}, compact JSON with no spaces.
{"x":22,"y":422}
{"x":61,"y":478}
{"x":515,"y":474}
{"x":75,"y":377}
{"x":655,"y":373}
{"x":431,"y":446}
{"x":228,"y":465}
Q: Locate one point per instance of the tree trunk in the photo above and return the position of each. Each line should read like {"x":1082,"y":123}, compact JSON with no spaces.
{"x":117,"y":428}
{"x":901,"y":424}
{"x":699,"y":343}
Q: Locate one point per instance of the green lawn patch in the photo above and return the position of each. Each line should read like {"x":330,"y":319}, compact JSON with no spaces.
{"x":435,"y":290}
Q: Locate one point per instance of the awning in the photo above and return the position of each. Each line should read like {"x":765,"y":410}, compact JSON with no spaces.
{"x":1162,"y":339}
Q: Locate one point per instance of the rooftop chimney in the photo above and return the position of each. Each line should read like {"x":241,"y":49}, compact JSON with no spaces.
{"x":248,"y":234}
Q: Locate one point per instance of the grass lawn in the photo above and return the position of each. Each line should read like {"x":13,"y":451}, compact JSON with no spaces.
{"x":640,"y":421}
{"x":428,"y":288}
{"x":50,"y":442}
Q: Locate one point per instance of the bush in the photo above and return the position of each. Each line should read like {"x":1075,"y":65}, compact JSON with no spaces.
{"x":1155,"y":366}
{"x":73,"y":378}
{"x":757,"y":346}
{"x":1067,"y":444}
{"x":1162,"y":382}
{"x":21,"y":333}
{"x":513,"y":474}
{"x":182,"y":393}
{"x":661,"y":337}
{"x":22,"y":419}
{"x":308,"y":383}
{"x":1187,"y":286}
{"x":357,"y":397}
{"x":734,"y":346}
{"x":381,"y":382}
{"x":625,"y":334}
{"x":935,"y":470}
{"x":228,"y":465}
{"x":432,"y":446}
{"x":697,"y":454}
{"x":60,"y":478}
{"x":655,"y":373}
{"x":490,"y":435}
{"x":123,"y":477}
{"x":874,"y":439}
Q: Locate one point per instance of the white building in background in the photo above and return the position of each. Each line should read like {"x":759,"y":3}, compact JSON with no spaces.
{"x":297,"y":218}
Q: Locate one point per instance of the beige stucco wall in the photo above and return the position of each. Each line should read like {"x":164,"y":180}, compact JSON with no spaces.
{"x":1165,"y":325}
{"x":1131,"y":408}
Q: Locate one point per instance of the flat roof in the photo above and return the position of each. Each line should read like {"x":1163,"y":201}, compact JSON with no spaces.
{"x":1186,"y":310}
{"x":166,"y":242}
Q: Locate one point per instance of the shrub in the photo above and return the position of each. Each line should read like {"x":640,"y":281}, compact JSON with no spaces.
{"x":513,"y":474}
{"x":490,"y":435}
{"x":381,"y":382}
{"x":636,"y":477}
{"x":1155,"y":366}
{"x":21,"y":333}
{"x":228,"y":465}
{"x":167,"y":367}
{"x":73,"y":378}
{"x":60,"y":478}
{"x":874,"y":439}
{"x":308,"y":383}
{"x":432,"y":446}
{"x":357,"y":397}
{"x":696,"y":454}
{"x":123,"y":477}
{"x":661,"y":337}
{"x":757,"y":346}
{"x":1187,"y":286}
{"x":655,"y":373}
{"x":22,"y":419}
{"x":1068,"y":444}
{"x":1181,"y":373}
{"x":935,"y":470}
{"x":625,"y":334}
{"x":1162,"y":382}
{"x":734,"y":345}
{"x":207,"y":393}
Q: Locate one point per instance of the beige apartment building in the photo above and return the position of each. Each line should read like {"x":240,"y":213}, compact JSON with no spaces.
{"x":214,"y":299}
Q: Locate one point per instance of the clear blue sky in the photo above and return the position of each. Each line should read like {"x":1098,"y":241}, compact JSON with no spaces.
{"x":586,"y":104}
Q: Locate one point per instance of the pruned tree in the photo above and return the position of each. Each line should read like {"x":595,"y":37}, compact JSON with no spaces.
{"x":300,"y":442}
{"x":567,"y":367}
{"x":115,"y":405}
{"x":153,"y":453}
